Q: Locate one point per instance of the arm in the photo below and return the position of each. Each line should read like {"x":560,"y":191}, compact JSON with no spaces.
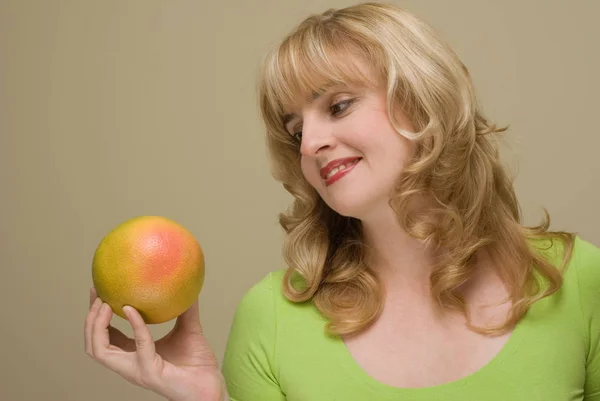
{"x":250,"y":364}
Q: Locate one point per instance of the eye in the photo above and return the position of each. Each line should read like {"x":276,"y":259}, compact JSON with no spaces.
{"x":297,"y":136}
{"x":339,"y":107}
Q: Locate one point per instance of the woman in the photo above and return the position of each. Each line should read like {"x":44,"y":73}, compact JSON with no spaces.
{"x":410,"y":276}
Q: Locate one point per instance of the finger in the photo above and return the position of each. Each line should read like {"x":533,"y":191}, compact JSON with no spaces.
{"x":100,"y":336}
{"x":89,"y":325}
{"x":93,"y":295}
{"x":190,"y":319}
{"x":145,"y":349}
{"x":110,"y":356}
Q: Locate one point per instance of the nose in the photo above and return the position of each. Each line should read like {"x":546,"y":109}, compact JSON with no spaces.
{"x":317,"y":135}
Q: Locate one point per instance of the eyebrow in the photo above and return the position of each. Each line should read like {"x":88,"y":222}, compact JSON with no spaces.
{"x":290,"y":116}
{"x":287,"y":118}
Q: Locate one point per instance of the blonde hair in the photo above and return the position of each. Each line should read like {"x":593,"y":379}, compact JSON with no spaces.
{"x":456,"y":165}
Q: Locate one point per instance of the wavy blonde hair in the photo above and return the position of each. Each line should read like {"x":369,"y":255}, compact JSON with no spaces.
{"x":456,"y":165}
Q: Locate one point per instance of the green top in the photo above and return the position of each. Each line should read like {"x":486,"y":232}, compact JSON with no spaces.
{"x":277,"y":350}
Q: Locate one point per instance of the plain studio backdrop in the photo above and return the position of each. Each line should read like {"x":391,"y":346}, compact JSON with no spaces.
{"x":113,"y":109}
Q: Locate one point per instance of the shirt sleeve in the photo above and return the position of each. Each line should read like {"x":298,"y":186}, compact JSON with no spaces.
{"x":249,"y":364}
{"x":588,"y":260}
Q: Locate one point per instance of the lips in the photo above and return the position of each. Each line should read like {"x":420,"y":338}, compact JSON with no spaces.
{"x":337,"y":163}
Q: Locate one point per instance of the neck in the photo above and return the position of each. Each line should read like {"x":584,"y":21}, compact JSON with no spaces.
{"x":396,"y":256}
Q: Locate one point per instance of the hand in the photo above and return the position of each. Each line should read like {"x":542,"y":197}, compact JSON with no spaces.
{"x":180,"y":366}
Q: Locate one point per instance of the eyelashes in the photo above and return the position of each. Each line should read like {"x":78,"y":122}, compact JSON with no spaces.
{"x":297,"y":136}
{"x":340,"y":107}
{"x":335,"y":110}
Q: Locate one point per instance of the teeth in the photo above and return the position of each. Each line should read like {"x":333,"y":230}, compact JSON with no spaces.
{"x":335,"y":170}
{"x":340,"y":168}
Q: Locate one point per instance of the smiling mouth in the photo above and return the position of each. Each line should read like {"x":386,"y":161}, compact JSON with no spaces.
{"x":340,"y":171}
{"x":341,"y":168}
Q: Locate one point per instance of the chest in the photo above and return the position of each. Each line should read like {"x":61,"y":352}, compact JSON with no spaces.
{"x":416,"y":347}
{"x":410,"y":353}
{"x":421,"y":354}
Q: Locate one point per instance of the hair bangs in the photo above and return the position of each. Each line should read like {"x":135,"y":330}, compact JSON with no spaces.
{"x":306,"y":64}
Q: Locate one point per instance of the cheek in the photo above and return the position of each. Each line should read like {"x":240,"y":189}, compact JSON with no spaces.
{"x":310,"y":173}
{"x":407,"y":148}
{"x":399,"y":154}
{"x":389,"y":151}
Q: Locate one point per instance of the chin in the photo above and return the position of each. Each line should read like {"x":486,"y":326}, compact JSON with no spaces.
{"x":355,"y":207}
{"x":364,"y":205}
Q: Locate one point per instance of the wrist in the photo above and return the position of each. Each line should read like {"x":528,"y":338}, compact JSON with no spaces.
{"x":215,"y":397}
{"x":211,"y":388}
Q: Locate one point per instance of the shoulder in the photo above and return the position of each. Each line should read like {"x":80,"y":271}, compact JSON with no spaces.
{"x":252,"y":342}
{"x":259,"y":301}
{"x":581,"y":278}
{"x":250,"y":363}
{"x":585,"y":263}
{"x":265,"y":300}
{"x":586,"y":253}
{"x":265,"y":313}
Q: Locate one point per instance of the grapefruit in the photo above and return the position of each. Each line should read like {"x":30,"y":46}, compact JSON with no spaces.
{"x":151,"y":263}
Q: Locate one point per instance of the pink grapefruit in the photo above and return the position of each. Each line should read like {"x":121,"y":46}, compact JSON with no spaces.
{"x":151,"y":263}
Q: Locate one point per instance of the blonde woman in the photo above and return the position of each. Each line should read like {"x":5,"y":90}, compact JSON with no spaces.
{"x":410,"y":275}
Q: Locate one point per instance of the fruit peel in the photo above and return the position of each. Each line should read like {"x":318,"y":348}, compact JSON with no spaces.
{"x":151,"y":263}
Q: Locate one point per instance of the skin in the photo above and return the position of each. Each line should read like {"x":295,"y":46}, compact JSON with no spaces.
{"x":181,"y":366}
{"x":411,"y":345}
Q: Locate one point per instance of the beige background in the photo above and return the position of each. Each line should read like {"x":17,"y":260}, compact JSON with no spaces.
{"x":111,"y":109}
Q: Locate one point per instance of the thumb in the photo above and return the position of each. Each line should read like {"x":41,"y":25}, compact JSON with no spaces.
{"x":190,"y":319}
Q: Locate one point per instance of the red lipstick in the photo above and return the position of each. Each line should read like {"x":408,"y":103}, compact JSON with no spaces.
{"x":348,"y":162}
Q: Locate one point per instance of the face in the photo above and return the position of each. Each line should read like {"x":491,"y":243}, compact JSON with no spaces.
{"x":350,"y":152}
